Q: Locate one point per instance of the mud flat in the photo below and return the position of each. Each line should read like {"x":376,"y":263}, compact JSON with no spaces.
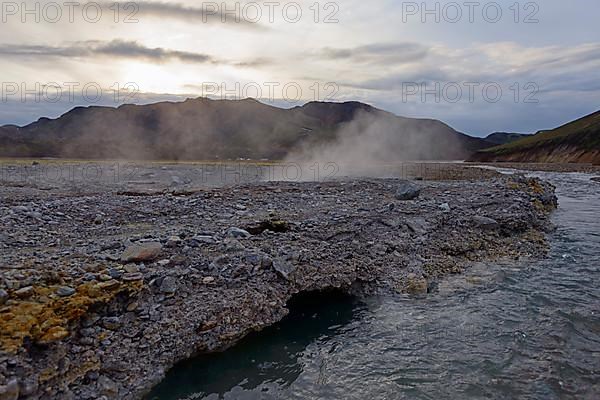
{"x":103,"y":289}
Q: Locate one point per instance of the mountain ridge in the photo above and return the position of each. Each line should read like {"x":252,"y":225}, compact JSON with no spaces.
{"x":576,"y":141}
{"x":202,"y":128}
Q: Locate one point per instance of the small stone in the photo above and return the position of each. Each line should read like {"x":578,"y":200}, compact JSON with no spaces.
{"x":89,"y":276}
{"x":133,"y":276}
{"x":29,"y":387}
{"x":407,"y":191}
{"x":204,"y":239}
{"x":266,"y":262}
{"x":233,"y":245}
{"x":108,"y":285}
{"x":173,"y":241}
{"x":112,"y":257}
{"x":25,"y":292}
{"x":445,"y":207}
{"x":86,"y":341}
{"x":107,"y":387}
{"x":238,"y":233}
{"x":93,"y":375}
{"x":253,"y":259}
{"x":284,"y":268}
{"x":65,"y":291}
{"x":132,"y":306}
{"x":485,"y":223}
{"x":131,"y":269}
{"x":168,"y":285}
{"x":141,"y":252}
{"x":34,"y":215}
{"x":111,"y":323}
{"x":3,"y":296}
{"x":87,"y":321}
{"x":208,"y":280}
{"x":10,"y":391}
{"x":115,"y":273}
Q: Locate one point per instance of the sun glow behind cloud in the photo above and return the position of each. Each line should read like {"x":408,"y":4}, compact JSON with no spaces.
{"x":174,"y":49}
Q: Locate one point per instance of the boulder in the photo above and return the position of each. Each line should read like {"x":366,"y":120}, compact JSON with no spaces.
{"x":407,"y":191}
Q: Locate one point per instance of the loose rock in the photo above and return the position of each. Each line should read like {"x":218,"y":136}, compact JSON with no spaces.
{"x":407,"y":191}
{"x":25,"y":292}
{"x":142,"y":252}
{"x":485,"y":223}
{"x":10,"y":391}
{"x":65,"y":291}
{"x":284,"y":268}
{"x":133,"y":276}
{"x":111,"y":323}
{"x":107,"y":387}
{"x":238,"y":233}
{"x":168,"y":285}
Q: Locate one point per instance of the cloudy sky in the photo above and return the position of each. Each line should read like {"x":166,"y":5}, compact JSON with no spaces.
{"x":478,"y":66}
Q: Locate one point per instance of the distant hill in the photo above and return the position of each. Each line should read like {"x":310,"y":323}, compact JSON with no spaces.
{"x":201,"y":129}
{"x":498,"y":138}
{"x":575,"y":142}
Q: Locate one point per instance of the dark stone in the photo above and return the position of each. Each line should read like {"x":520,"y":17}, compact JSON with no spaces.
{"x":283,"y":268}
{"x":407,"y":191}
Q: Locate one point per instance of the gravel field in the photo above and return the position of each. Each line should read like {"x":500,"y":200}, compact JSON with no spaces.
{"x":105,"y":285}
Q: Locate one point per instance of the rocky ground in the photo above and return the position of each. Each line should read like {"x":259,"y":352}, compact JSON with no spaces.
{"x":105,"y":286}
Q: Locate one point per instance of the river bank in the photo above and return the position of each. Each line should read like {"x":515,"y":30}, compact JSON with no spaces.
{"x":103,"y":291}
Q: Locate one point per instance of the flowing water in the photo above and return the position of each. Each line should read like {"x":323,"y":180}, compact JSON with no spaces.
{"x":500,"y":331}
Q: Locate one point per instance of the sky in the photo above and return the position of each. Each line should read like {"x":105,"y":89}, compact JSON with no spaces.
{"x":480,"y":67}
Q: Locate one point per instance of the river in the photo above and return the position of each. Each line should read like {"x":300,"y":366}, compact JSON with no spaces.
{"x":527,"y":330}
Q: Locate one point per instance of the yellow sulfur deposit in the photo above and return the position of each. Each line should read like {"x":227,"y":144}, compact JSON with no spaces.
{"x":45,"y":317}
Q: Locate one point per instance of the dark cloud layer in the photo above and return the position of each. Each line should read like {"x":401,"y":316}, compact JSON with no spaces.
{"x":382,"y":53}
{"x":116,"y":48}
{"x":206,"y":14}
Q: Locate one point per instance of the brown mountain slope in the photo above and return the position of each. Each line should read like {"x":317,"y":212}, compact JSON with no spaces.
{"x":200,"y":128}
{"x":575,"y":142}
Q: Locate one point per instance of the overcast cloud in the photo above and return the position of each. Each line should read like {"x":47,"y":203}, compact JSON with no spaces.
{"x":545,"y":59}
